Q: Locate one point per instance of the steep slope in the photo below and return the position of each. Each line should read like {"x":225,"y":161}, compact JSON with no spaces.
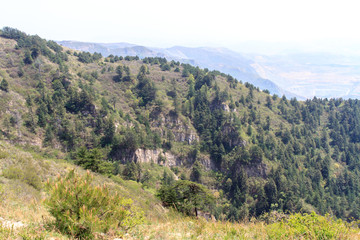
{"x":257,"y":152}
{"x":24,"y":173}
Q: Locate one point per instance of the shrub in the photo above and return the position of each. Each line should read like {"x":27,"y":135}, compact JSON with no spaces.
{"x":81,"y":209}
{"x":308,"y":226}
{"x":27,"y":174}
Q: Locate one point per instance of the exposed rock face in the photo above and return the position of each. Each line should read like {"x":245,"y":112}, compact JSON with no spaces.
{"x":206,"y":163}
{"x":187,"y":136}
{"x":182,"y":132}
{"x":225,"y":107}
{"x":232,"y":136}
{"x":258,"y":170}
{"x":156,"y":156}
{"x":168,"y":159}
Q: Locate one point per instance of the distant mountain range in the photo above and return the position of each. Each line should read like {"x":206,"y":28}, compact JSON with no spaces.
{"x":322,"y":75}
{"x":301,"y":75}
{"x":220,"y":59}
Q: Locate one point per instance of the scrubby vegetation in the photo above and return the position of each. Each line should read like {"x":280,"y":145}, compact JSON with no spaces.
{"x":298,"y":226}
{"x":309,"y":226}
{"x":77,"y":203}
{"x":81,"y":209}
{"x":200,"y":140}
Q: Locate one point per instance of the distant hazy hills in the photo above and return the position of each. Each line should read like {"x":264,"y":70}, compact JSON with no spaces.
{"x":303,"y":75}
{"x":312,"y":74}
{"x":220,"y":59}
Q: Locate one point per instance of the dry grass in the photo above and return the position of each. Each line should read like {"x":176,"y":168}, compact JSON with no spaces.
{"x":176,"y":227}
{"x":22,"y":204}
{"x":179,"y":227}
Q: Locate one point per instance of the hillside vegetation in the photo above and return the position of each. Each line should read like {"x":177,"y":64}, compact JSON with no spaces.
{"x":23,"y":214}
{"x":201,"y":141}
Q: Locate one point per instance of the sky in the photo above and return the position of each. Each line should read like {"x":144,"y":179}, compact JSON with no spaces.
{"x":238,"y":25}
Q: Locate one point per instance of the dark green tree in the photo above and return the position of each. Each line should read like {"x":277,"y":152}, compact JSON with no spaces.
{"x":93,"y":160}
{"x":271,"y":192}
{"x":119,"y":72}
{"x":187,"y":197}
{"x":196,"y":173}
{"x":145,"y":88}
{"x":28,"y":59}
{"x":132,"y":171}
{"x":109,"y":132}
{"x":167,"y":179}
{"x":4,"y":85}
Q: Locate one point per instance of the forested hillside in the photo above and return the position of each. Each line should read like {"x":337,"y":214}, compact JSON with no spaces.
{"x":249,"y":152}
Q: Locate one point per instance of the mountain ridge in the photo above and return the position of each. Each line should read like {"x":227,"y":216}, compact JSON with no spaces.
{"x":295,"y":74}
{"x":226,"y":60}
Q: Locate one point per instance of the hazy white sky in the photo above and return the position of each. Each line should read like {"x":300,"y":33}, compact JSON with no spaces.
{"x":165,"y":23}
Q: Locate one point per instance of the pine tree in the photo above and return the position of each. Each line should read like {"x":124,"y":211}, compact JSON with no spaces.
{"x":4,"y":85}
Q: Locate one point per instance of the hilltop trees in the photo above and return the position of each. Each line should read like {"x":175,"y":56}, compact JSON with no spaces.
{"x":35,"y":46}
{"x":86,"y":57}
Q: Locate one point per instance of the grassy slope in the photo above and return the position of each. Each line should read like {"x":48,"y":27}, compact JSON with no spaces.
{"x":22,"y":204}
{"x":21,"y":201}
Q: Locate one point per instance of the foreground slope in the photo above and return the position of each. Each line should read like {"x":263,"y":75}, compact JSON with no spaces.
{"x":23,"y":214}
{"x":22,"y":191}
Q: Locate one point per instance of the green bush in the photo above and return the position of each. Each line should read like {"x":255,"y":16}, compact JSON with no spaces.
{"x":308,"y":226}
{"x":28,"y":174}
{"x":82,"y":209}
